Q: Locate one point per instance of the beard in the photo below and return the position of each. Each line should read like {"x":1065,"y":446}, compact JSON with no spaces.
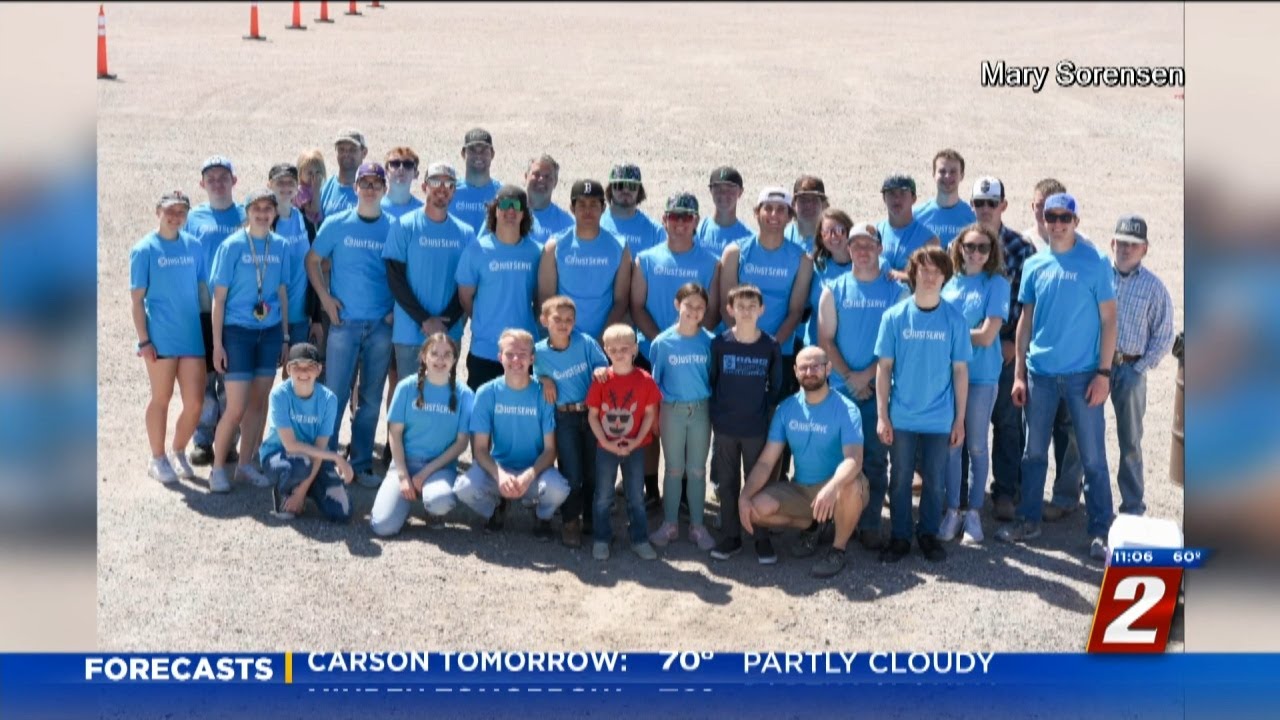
{"x":811,"y":383}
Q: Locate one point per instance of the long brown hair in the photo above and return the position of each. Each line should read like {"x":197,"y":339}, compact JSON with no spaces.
{"x":995,"y":259}
{"x":453,"y":369}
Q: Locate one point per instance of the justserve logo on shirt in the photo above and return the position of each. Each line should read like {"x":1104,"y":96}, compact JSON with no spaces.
{"x":510,"y":265}
{"x":501,"y":409}
{"x":687,"y":360}
{"x":301,"y":419}
{"x":675,"y":271}
{"x":766,"y":271}
{"x":569,"y":372}
{"x":798,"y":426}
{"x":857,"y":303}
{"x":586,"y":261}
{"x":909,"y":334}
{"x":361,"y":243}
{"x":165,"y":262}
{"x":447,"y":243}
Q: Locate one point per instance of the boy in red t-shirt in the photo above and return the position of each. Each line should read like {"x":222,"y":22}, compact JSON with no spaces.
{"x":623,"y":410}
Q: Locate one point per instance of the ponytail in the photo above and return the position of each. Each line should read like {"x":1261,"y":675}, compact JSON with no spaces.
{"x":453,"y":387}
{"x":422,"y":379}
{"x":453,"y":369}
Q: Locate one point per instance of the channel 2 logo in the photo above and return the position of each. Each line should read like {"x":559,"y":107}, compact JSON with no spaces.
{"x":1135,"y":610}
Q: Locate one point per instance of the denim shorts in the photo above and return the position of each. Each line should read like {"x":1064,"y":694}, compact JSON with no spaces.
{"x":252,"y":352}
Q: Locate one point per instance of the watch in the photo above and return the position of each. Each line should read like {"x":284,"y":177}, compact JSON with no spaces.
{"x":1104,"y":372}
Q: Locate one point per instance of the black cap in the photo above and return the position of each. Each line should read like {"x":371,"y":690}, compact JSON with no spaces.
{"x":477,"y":135}
{"x":1132,"y":229}
{"x":304,"y":352}
{"x":809,"y":185}
{"x":727,"y":174}
{"x":282,"y":169}
{"x":587,"y":189}
{"x":512,"y":191}
{"x":260,"y":194}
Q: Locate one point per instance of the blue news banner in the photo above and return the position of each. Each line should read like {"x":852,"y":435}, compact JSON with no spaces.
{"x":674,"y":684}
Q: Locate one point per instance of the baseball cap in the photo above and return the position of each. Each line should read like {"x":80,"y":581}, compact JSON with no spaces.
{"x":864,"y":229}
{"x":260,"y":194}
{"x":371,"y":169}
{"x":625,"y":173}
{"x":774,"y":194}
{"x":215,"y":161}
{"x":809,"y":185}
{"x":898,"y":182}
{"x":477,"y":136}
{"x":303,"y":352}
{"x":1132,"y":229}
{"x":512,"y":191}
{"x":177,"y":197}
{"x":351,"y":136}
{"x":436,"y":169}
{"x":587,"y":189}
{"x":682,"y":203}
{"x":726,"y":175}
{"x":1061,"y":201}
{"x":282,"y":169}
{"x":988,"y":188}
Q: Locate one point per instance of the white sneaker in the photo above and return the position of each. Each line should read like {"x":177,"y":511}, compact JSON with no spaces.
{"x":950,"y":526}
{"x":161,"y":470}
{"x":178,"y":461}
{"x":253,"y":475}
{"x":218,"y":481}
{"x":973,"y":525}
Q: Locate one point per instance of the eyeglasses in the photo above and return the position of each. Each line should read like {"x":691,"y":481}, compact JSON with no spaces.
{"x":680,"y":217}
{"x":371,"y":185}
{"x":398,"y":164}
{"x":977,"y":248}
{"x":836,"y":231}
{"x":993,"y":204}
{"x":809,"y":369}
{"x":441,"y":182}
{"x":1064,"y":218}
{"x":510,"y":204}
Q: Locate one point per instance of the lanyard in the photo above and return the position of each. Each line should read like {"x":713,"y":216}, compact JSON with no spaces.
{"x":260,"y":270}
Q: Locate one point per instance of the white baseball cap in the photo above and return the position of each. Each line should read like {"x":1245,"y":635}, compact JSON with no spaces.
{"x":774,"y":194}
{"x":988,"y":188}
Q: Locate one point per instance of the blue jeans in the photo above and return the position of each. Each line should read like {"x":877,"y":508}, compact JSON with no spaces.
{"x":479,"y":491}
{"x":406,"y":359}
{"x":977,"y":416}
{"x":1008,"y":438}
{"x":1069,"y":477}
{"x":576,"y":458}
{"x":875,"y":465}
{"x":299,"y":332}
{"x":1044,"y":393}
{"x":327,"y":490}
{"x":930,"y":451}
{"x":1129,"y":398}
{"x":685,"y":432}
{"x":390,"y":509}
{"x":632,"y":466}
{"x":215,"y":404}
{"x":369,"y":343}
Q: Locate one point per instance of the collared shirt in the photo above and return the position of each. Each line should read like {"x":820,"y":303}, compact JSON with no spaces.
{"x":1144,"y":313}
{"x":1016,"y":252}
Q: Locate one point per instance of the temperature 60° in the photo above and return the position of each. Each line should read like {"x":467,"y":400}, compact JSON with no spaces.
{"x":688,"y":661}
{"x":1188,"y":556}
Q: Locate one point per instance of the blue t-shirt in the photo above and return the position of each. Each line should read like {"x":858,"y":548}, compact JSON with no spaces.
{"x":682,"y":365}
{"x":923,"y":345}
{"x":946,"y":223}
{"x":571,"y":367}
{"x":664,"y":272}
{"x":898,"y":243}
{"x":310,"y":418}
{"x":399,"y":210}
{"x":553,"y":219}
{"x":233,"y":268}
{"x":504,"y":277}
{"x":210,"y":227}
{"x":336,"y":197}
{"x":816,"y":434}
{"x":359,"y":276}
{"x":979,"y":297}
{"x":715,"y":238}
{"x":639,"y":231}
{"x":430,"y":251}
{"x":294,"y":232}
{"x":774,"y":272}
{"x":830,"y":272}
{"x":859,"y":308}
{"x":585,"y":271}
{"x":470,"y":203}
{"x":792,"y":234}
{"x":515,"y":420}
{"x":429,"y":430}
{"x":171,"y":272}
{"x":1066,"y":288}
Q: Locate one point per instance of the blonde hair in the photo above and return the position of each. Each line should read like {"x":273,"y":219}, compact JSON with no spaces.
{"x":558,"y":302}
{"x":619,"y":332}
{"x":516,"y":334}
{"x":310,"y":157}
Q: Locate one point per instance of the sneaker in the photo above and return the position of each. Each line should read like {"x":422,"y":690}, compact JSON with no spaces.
{"x":807,"y":544}
{"x":645,"y":551}
{"x":871,"y":539}
{"x":1006,"y":511}
{"x":367,"y":479}
{"x":973,"y":525}
{"x":931,"y":548}
{"x":1019,"y":531}
{"x":664,"y":534}
{"x":252,"y":475}
{"x":895,"y":550}
{"x":161,"y":470}
{"x":497,"y":519}
{"x":600,"y":550}
{"x":950,"y":526}
{"x":571,"y":533}
{"x":699,"y":536}
{"x":830,"y":564}
{"x":542,"y":531}
{"x":218,"y":481}
{"x":1098,"y":549}
{"x":277,"y":505}
{"x":178,"y":461}
{"x":1054,"y":513}
{"x":764,"y":552}
{"x":727,"y":548}
{"x":202,"y":455}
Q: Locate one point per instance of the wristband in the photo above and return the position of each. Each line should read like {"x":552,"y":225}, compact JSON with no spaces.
{"x":144,"y":343}
{"x":1104,"y":372}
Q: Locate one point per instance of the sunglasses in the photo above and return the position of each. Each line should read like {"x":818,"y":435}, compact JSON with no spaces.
{"x":977,"y":248}
{"x":441,"y":182}
{"x":1063,"y":218}
{"x":625,"y":185}
{"x":371,"y":185}
{"x":993,"y":204}
{"x":836,"y":231}
{"x":510,"y":204}
{"x":680,"y":217}
{"x":398,"y":164}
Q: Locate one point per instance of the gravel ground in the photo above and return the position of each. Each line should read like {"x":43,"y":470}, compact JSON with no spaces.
{"x":847,"y":93}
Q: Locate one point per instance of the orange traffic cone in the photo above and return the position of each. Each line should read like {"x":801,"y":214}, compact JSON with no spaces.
{"x":324,"y":12}
{"x":253,"y":24}
{"x":376,"y":4}
{"x":352,"y":9}
{"x":102,"y":47}
{"x":297,"y":17}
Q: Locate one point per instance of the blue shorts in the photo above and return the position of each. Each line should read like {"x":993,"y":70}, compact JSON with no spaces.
{"x":252,"y":352}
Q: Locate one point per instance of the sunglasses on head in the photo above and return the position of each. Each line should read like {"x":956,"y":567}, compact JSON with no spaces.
{"x":406,"y":164}
{"x":993,"y":204}
{"x":1053,"y":217}
{"x":441,"y":182}
{"x":510,"y":204}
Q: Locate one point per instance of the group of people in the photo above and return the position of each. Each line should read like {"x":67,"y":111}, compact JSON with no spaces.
{"x":605,"y":341}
